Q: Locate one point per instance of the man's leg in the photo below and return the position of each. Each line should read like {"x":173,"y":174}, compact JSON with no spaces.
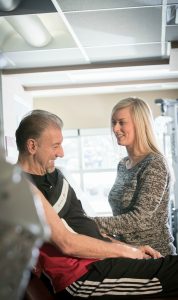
{"x":111,"y":278}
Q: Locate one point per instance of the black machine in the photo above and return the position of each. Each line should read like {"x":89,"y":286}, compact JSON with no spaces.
{"x":22,"y":231}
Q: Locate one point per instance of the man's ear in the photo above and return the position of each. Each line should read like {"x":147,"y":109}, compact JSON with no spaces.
{"x":31,"y":146}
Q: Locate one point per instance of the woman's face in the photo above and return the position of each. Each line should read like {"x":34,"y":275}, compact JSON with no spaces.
{"x":123,"y":127}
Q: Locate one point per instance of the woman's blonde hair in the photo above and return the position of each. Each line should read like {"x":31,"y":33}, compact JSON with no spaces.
{"x":143,"y":121}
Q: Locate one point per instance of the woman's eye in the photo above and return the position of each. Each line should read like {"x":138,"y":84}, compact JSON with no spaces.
{"x":122,"y":123}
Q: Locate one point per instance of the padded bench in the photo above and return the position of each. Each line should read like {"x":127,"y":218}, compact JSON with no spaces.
{"x":36,"y":290}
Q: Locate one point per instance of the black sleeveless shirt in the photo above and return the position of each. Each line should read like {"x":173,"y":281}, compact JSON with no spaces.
{"x":51,"y":185}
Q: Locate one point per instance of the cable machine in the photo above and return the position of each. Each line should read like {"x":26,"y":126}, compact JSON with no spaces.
{"x":169,"y":108}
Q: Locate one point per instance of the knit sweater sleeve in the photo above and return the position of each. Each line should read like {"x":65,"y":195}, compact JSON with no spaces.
{"x":149,"y":194}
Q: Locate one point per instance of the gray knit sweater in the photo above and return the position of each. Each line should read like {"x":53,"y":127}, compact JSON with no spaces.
{"x":139,"y":200}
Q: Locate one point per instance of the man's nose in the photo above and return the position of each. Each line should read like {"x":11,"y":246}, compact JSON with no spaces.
{"x":60,"y":152}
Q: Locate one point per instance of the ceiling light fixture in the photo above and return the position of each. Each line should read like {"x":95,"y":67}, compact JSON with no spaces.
{"x":9,"y":5}
{"x":31,"y":28}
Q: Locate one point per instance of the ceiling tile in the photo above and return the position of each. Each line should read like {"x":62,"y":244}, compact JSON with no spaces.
{"x":117,"y":27}
{"x":80,"y":5}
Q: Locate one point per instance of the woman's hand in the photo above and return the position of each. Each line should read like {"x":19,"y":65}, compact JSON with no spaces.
{"x":140,"y":252}
{"x":149,"y":252}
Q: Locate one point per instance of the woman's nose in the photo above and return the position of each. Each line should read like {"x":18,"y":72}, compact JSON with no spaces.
{"x":116,"y":127}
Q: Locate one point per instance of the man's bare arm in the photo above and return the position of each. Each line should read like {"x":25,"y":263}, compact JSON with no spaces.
{"x":78,"y":245}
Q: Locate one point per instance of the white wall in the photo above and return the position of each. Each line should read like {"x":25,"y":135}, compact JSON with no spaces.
{"x":15,"y":103}
{"x":93,"y":111}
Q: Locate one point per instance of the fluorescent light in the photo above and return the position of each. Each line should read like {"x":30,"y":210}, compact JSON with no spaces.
{"x":120,"y":74}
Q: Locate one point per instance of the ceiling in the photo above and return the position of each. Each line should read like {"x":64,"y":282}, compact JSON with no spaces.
{"x":56,"y":47}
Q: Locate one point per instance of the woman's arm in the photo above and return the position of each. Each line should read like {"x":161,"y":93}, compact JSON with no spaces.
{"x":150,"y":191}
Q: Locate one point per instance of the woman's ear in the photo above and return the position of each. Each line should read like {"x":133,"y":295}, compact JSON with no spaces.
{"x":31,"y":146}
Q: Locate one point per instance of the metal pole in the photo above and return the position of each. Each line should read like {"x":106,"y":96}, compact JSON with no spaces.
{"x":1,"y":115}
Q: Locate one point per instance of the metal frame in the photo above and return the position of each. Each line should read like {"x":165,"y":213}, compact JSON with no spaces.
{"x":170,"y":108}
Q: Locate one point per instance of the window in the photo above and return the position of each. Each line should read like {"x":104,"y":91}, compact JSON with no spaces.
{"x":91,"y":158}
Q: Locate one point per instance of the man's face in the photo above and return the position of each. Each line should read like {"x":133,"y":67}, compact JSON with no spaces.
{"x":48,"y":148}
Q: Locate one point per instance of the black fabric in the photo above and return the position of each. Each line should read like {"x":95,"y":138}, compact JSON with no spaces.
{"x":112,"y":269}
{"x":51,"y":186}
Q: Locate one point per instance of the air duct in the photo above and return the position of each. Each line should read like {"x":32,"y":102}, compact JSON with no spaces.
{"x":31,"y":28}
{"x":8,"y":5}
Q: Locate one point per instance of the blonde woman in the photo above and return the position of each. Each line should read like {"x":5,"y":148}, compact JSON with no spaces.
{"x":140,"y":195}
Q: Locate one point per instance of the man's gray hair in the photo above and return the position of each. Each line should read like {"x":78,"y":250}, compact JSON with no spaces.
{"x":33,"y":125}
